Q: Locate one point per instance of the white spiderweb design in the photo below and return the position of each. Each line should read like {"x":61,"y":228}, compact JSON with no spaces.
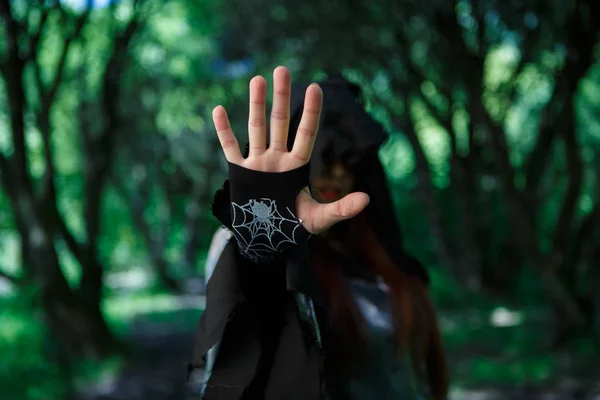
{"x":260,"y":229}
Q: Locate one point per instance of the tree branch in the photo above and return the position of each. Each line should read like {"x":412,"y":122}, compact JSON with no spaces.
{"x":575,"y":168}
{"x":100,"y":151}
{"x":47,"y":96}
{"x":580,"y":59}
{"x":584,"y":234}
{"x":13,"y":77}
{"x":5,"y":177}
{"x":580,"y":43}
{"x":35,"y":37}
{"x":79,"y":25}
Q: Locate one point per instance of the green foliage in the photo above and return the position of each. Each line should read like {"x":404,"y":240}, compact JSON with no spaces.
{"x":25,"y":371}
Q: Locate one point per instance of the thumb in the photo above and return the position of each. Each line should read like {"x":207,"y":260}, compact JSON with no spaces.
{"x":331,"y":213}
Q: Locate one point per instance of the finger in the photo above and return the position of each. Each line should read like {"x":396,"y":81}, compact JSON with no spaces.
{"x":280,"y":113}
{"x":309,"y":124}
{"x":229,"y":143}
{"x":257,"y":117}
{"x":324,"y":216}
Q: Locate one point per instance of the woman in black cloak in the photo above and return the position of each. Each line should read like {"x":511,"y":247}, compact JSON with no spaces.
{"x":344,"y":315}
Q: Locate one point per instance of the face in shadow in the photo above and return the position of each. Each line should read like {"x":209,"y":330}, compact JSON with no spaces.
{"x":333,"y":182}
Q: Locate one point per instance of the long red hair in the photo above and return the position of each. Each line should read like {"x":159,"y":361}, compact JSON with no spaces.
{"x":413,"y":314}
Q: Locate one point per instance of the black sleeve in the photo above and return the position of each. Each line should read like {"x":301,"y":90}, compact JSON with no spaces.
{"x":260,"y":209}
{"x":251,"y":312}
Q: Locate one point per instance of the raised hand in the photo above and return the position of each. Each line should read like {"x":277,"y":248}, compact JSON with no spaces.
{"x":315,"y":217}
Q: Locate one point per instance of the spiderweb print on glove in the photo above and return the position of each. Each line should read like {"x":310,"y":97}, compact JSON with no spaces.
{"x":261,"y":231}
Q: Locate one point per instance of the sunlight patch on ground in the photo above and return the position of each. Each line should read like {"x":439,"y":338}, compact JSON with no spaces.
{"x":128,"y":306}
{"x":134,"y":278}
{"x":503,"y":317}
{"x":459,"y":393}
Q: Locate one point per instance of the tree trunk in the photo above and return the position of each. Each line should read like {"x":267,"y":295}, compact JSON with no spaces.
{"x":77,"y":327}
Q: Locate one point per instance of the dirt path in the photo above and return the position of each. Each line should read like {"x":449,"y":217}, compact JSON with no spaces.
{"x":157,"y":372}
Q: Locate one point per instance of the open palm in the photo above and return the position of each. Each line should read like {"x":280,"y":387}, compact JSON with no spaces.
{"x":315,"y":217}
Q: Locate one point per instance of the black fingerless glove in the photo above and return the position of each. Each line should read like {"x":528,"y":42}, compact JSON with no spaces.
{"x":260,"y":209}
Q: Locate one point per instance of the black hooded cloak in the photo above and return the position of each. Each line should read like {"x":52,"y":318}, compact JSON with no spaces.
{"x":262,"y":323}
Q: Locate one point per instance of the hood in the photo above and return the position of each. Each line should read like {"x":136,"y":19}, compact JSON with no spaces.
{"x":346,"y":131}
{"x":349,"y":134}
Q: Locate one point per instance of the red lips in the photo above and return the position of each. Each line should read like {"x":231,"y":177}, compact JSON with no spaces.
{"x":330,"y":195}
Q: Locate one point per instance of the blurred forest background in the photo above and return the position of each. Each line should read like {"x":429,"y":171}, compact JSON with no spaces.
{"x":108,"y":163}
